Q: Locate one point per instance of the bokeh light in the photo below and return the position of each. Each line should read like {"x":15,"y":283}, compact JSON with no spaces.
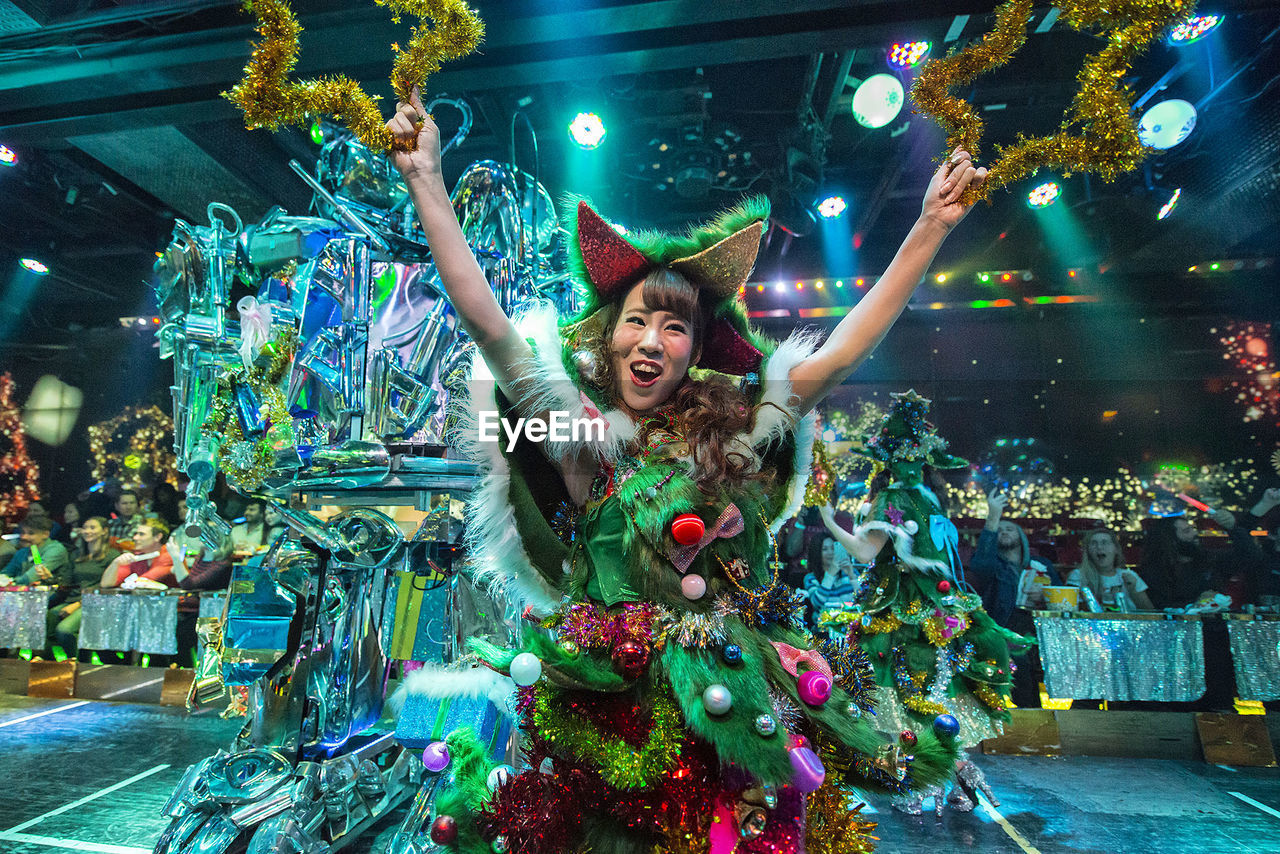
{"x":1167,"y":207}
{"x":1193,"y":29}
{"x":908,"y":54}
{"x":832,"y":207}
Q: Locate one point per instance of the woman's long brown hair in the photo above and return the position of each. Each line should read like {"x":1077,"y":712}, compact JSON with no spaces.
{"x":711,"y":411}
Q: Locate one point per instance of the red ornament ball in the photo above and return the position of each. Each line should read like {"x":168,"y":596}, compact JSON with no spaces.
{"x":944,"y":586}
{"x":907,"y":738}
{"x":444,"y":830}
{"x":687,"y":529}
{"x":630,"y":658}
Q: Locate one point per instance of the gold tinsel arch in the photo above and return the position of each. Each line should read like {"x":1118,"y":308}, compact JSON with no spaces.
{"x":1098,"y":132}
{"x":269,"y":100}
{"x":135,"y":442}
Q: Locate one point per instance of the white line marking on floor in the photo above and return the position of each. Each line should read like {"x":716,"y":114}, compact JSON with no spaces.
{"x":45,"y":712}
{"x":75,"y":844}
{"x":1005,"y":826}
{"x":1251,"y":802}
{"x":1227,"y":768}
{"x":94,"y":669}
{"x":132,"y":688}
{"x":8,"y":834}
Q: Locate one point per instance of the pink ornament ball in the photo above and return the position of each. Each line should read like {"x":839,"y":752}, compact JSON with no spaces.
{"x":687,"y":529}
{"x":807,"y":770}
{"x":436,"y":756}
{"x":693,"y":586}
{"x":814,"y":687}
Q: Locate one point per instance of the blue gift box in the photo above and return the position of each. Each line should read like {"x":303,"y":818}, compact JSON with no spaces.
{"x":427,"y":719}
{"x":256,"y":634}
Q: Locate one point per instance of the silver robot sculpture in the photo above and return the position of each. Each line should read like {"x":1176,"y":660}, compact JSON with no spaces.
{"x":330,"y":380}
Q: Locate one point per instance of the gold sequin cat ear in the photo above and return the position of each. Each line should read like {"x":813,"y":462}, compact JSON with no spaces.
{"x":269,"y":99}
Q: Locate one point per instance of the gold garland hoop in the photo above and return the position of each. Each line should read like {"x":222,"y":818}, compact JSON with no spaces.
{"x":1098,"y":133}
{"x":270,"y":100}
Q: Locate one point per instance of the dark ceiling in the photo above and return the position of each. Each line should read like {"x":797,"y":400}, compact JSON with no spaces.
{"x":115,"y":113}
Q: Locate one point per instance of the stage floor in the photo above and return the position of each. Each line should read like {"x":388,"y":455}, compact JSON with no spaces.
{"x":88,"y":775}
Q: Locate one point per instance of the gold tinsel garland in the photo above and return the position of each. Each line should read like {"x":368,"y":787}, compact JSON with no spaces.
{"x":135,"y":440}
{"x":269,"y":100}
{"x":247,"y":471}
{"x":1098,"y":133}
{"x":831,"y":827}
{"x":817,"y":492}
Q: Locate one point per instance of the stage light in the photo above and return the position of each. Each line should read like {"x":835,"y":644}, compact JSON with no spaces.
{"x":831,"y":207}
{"x":1044,"y":195}
{"x":860,"y":282}
{"x":908,"y":54}
{"x":1168,"y":206}
{"x":37,"y":267}
{"x":759,"y":289}
{"x":1167,"y":123}
{"x":587,"y":130}
{"x":8,"y":157}
{"x":839,"y":283}
{"x":1006,"y":277}
{"x":780,"y":288}
{"x":819,"y":284}
{"x":877,"y":100}
{"x":984,"y":277}
{"x":941,"y":278}
{"x":799,"y":286}
{"x":1193,"y":29}
{"x":1214,"y":266}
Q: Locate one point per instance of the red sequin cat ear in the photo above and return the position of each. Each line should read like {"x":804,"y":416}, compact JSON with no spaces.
{"x":612,"y":263}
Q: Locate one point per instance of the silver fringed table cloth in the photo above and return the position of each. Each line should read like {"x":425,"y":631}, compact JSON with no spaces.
{"x":1255,"y":650}
{"x":130,"y":621}
{"x":212,"y":603}
{"x":22,"y":618}
{"x":1122,"y":657}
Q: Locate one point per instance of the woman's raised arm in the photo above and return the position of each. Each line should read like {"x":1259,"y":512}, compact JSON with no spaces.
{"x":868,"y":322}
{"x":469,"y":293}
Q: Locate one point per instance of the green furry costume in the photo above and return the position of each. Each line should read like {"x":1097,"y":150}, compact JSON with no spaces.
{"x":933,"y":648}
{"x":628,"y":753}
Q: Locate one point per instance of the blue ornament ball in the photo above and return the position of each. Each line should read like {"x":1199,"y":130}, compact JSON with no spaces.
{"x":732,"y":654}
{"x":946,"y":726}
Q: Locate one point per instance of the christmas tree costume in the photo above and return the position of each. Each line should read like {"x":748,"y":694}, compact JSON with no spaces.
{"x":670,"y":701}
{"x":933,"y":648}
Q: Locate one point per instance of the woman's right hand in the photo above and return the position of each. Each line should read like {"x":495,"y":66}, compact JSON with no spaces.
{"x":417,"y":140}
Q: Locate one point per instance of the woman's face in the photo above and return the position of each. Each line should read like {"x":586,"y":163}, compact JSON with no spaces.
{"x":93,"y":531}
{"x":71,"y":515}
{"x":828,"y":555}
{"x":1102,"y":551}
{"x":145,"y":539}
{"x":651,"y":351}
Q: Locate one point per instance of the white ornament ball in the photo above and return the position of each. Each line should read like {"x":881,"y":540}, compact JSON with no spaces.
{"x":717,"y":700}
{"x":693,"y":586}
{"x":525,"y":669}
{"x":500,"y":775}
{"x":911,"y":526}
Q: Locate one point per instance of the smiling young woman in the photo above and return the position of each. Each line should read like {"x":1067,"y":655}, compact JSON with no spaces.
{"x":649,"y":549}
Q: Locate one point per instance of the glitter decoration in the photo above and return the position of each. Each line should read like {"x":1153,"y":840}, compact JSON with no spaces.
{"x":822,"y":481}
{"x":137,"y":441}
{"x":22,"y":619}
{"x":620,"y":764}
{"x":612,"y":263}
{"x":19,"y":474}
{"x":1123,"y":659}
{"x":1098,"y":133}
{"x":270,"y":101}
{"x":1255,"y":651}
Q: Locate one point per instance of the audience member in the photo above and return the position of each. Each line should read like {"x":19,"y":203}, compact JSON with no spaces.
{"x":253,"y":533}
{"x":164,"y":504}
{"x":87,"y":570}
{"x":42,"y":561}
{"x":210,"y":571}
{"x":126,"y":517}
{"x":1252,"y":569}
{"x":1103,"y":572}
{"x":1174,"y":565}
{"x":1003,"y":572}
{"x":832,"y":583}
{"x":68,"y":533}
{"x":148,"y":560}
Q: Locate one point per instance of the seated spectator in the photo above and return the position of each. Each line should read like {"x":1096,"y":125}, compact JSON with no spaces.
{"x":164,"y":504}
{"x":1174,"y":565}
{"x":148,"y":560}
{"x":42,"y":561}
{"x":64,"y":612}
{"x":1251,"y":569}
{"x":69,"y":532}
{"x":275,"y":522}
{"x":127,"y":516}
{"x":1103,"y":572}
{"x":834,"y":584}
{"x":1003,"y":572}
{"x":253,"y":534}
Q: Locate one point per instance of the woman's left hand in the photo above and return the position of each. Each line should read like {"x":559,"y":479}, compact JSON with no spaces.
{"x":942,"y":199}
